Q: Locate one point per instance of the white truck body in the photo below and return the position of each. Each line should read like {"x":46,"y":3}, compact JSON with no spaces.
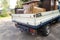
{"x":31,"y":20}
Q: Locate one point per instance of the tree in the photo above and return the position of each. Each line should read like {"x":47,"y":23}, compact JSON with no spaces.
{"x":5,"y":7}
{"x":19,"y":4}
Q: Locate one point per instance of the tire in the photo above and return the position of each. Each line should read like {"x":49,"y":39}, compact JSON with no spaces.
{"x":45,"y":31}
{"x":58,"y":19}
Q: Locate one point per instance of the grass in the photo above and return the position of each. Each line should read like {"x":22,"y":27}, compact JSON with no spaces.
{"x":5,"y":17}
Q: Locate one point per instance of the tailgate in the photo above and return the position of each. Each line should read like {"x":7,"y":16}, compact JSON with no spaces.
{"x":24,"y":18}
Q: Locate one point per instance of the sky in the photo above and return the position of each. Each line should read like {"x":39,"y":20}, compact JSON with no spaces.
{"x":12,"y":3}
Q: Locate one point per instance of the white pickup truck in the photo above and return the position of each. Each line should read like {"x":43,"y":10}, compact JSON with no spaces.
{"x":36,"y":23}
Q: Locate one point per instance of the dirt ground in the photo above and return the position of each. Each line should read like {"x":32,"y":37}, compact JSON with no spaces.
{"x":9,"y":32}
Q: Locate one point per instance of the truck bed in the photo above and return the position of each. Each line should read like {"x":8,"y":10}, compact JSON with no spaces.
{"x":35,"y":19}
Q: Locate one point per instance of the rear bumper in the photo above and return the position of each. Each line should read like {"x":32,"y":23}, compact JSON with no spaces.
{"x":26,"y":29}
{"x":21,"y":27}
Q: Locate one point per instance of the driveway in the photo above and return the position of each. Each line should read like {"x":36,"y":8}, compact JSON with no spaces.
{"x":9,"y":32}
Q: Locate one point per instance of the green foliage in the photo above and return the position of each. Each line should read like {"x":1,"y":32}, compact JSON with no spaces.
{"x":12,"y":11}
{"x":19,"y":4}
{"x":5,"y":4}
{"x":4,"y":10}
{"x":4,"y":15}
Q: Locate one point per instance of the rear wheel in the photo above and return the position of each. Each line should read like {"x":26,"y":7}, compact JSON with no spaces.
{"x":58,"y":19}
{"x":45,"y":31}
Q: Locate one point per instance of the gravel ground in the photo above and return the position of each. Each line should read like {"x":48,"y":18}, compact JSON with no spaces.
{"x":9,"y":32}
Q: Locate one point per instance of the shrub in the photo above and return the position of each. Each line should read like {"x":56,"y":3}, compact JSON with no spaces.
{"x":4,"y":15}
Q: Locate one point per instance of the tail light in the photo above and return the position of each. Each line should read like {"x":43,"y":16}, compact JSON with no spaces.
{"x":32,"y":30}
{"x":16,"y":24}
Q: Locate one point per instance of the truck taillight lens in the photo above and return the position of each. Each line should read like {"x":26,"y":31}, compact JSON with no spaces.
{"x":32,"y":30}
{"x":15,"y":24}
